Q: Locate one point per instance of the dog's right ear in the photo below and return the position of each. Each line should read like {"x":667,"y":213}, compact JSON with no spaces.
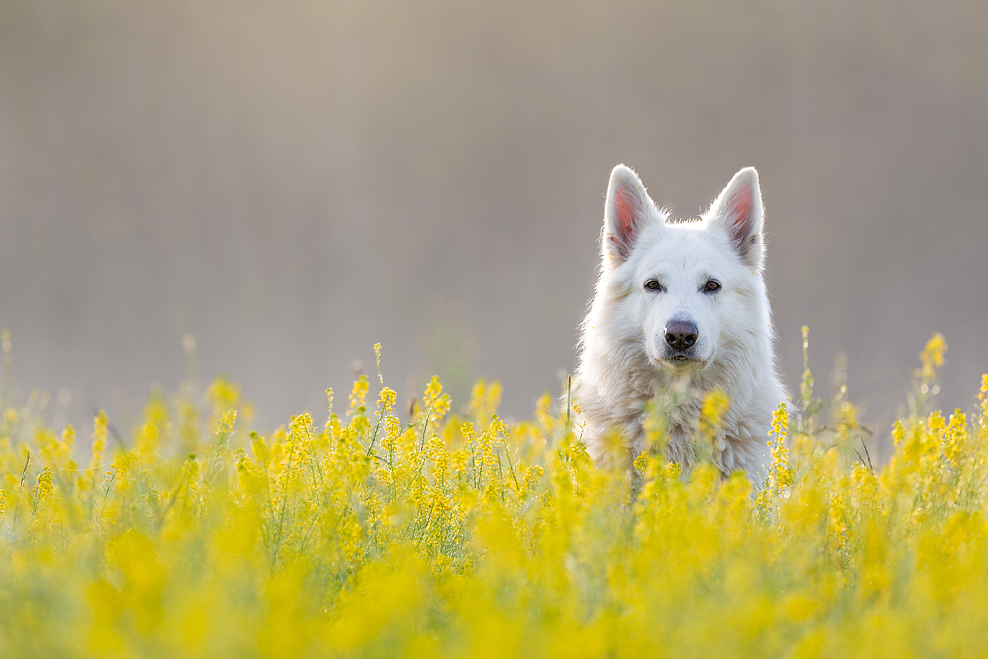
{"x":627,"y":209}
{"x":738,"y":210}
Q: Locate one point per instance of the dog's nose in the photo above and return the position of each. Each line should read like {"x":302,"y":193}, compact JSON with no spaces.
{"x":681,"y":334}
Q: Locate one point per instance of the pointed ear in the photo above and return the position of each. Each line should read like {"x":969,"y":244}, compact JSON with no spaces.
{"x":738,"y":210}
{"x":628,"y":208}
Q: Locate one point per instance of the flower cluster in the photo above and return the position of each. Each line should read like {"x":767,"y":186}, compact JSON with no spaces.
{"x":457,"y":534}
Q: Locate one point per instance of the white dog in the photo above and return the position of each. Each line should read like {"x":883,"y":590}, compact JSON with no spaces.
{"x":680,"y":307}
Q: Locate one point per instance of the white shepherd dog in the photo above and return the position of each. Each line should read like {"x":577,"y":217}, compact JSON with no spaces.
{"x":681,"y":307}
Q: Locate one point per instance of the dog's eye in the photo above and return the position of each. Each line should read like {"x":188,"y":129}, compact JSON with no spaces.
{"x":653,"y":285}
{"x":712,"y":285}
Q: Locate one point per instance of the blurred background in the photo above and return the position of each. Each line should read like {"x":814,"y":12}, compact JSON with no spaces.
{"x":292,"y":182}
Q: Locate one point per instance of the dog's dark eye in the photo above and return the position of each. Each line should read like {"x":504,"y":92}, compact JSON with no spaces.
{"x":712,"y":285}
{"x":653,"y":285}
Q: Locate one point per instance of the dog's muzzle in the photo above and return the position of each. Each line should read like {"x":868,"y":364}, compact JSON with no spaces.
{"x":680,"y":336}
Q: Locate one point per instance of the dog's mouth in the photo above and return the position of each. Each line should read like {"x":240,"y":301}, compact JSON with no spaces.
{"x":664,"y":356}
{"x":680,"y":360}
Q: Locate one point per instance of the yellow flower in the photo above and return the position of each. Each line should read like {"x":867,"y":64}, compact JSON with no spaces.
{"x":932,"y":356}
{"x":477,"y":538}
{"x":386,"y":400}
{"x":983,"y":396}
{"x":358,"y":396}
{"x":715,"y":405}
{"x":99,"y":439}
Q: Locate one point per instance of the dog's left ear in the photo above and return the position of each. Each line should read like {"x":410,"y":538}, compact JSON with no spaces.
{"x":738,"y":210}
{"x":627,"y":210}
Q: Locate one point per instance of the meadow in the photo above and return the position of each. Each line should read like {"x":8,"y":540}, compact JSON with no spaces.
{"x":429,"y":530}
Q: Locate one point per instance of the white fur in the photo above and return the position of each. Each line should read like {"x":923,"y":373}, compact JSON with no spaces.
{"x":625,"y":359}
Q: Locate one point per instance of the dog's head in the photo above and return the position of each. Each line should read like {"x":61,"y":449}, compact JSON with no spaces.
{"x":692,"y":288}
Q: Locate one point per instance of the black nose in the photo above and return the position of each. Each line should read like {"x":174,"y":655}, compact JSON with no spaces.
{"x":681,"y":334}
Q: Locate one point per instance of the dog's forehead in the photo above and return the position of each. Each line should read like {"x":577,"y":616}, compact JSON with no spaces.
{"x":687,"y":248}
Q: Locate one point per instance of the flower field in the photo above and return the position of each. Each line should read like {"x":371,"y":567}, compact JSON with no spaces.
{"x":372,"y":531}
